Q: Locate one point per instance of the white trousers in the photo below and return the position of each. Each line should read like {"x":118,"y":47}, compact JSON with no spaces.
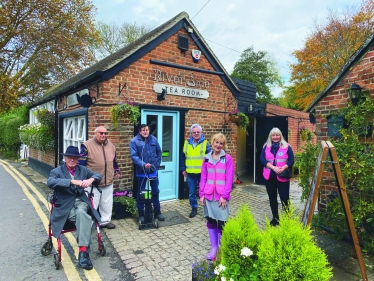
{"x":103,"y":201}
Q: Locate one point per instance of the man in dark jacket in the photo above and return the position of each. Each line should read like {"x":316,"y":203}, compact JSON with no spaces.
{"x":71,"y":202}
{"x":145,"y":152}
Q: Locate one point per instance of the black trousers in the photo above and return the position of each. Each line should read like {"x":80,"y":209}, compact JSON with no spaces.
{"x":273,"y":186}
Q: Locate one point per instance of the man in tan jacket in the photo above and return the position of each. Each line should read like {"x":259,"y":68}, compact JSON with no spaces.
{"x":99,"y":155}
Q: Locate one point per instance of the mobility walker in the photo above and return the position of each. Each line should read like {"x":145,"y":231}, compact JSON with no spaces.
{"x":68,"y":227}
{"x":146,"y":198}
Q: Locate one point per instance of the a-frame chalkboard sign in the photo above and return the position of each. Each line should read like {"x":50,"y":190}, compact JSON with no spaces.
{"x":328,"y":148}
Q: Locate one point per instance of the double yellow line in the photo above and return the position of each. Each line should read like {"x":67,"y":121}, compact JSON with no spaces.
{"x":69,"y":267}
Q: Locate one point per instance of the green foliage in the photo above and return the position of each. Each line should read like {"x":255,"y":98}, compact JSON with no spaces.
{"x":282,"y":253}
{"x":9,"y":124}
{"x":40,"y":135}
{"x":356,"y":159}
{"x":126,"y":199}
{"x":260,"y":69}
{"x":305,"y":162}
{"x":306,"y":134}
{"x":243,"y":121}
{"x":238,"y":233}
{"x":127,"y":110}
{"x":288,"y":252}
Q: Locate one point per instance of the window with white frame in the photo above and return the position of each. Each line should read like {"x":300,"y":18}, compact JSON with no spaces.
{"x":74,"y":131}
{"x":32,"y":118}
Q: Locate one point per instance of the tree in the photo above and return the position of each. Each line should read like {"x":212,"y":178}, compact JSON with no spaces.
{"x":326,"y":50}
{"x":42,"y":43}
{"x":260,"y":69}
{"x":114,"y":37}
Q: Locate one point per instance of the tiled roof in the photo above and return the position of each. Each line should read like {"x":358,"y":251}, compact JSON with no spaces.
{"x":105,"y":68}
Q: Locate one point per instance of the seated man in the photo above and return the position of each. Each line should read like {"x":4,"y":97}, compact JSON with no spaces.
{"x":68,"y":182}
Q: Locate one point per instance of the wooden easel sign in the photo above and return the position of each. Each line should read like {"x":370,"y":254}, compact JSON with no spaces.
{"x":328,"y":147}
{"x":316,"y":182}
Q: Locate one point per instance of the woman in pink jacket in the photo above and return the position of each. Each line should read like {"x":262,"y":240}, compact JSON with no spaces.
{"x":217,"y":177}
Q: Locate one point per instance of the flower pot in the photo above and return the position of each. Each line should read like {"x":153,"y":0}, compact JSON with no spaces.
{"x":120,"y":211}
{"x":234,"y":119}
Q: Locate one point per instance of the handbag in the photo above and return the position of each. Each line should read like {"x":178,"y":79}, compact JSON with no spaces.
{"x":286,"y":174}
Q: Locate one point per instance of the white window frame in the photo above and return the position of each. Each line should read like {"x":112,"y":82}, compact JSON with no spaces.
{"x":74,"y":129}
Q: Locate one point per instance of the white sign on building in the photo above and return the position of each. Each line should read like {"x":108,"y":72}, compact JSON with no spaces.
{"x":181,"y":91}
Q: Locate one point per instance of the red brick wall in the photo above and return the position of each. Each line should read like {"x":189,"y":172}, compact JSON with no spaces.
{"x":46,"y":157}
{"x":362,"y":74}
{"x":211,"y":113}
{"x":296,"y":119}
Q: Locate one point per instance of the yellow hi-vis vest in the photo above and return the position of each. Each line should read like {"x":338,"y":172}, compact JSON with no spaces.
{"x":194,"y":157}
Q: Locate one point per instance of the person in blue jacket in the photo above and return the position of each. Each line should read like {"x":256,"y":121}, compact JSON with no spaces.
{"x":145,"y":152}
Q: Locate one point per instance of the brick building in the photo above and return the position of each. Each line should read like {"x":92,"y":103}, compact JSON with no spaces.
{"x":174,"y":90}
{"x":358,"y":69}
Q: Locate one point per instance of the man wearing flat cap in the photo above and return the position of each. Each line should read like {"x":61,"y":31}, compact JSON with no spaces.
{"x":71,"y":202}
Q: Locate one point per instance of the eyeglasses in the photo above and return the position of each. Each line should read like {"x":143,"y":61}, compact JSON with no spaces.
{"x":103,"y":133}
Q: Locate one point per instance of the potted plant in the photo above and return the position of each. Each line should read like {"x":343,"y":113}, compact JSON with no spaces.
{"x":124,"y":205}
{"x":239,"y":118}
{"x":305,"y":134}
{"x":126,"y":109}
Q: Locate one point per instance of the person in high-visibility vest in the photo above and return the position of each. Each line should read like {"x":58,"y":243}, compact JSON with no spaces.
{"x":194,"y":150}
{"x":276,"y":157}
{"x":217,"y":177}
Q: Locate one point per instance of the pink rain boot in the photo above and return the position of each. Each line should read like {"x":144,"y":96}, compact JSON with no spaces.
{"x":213,"y":235}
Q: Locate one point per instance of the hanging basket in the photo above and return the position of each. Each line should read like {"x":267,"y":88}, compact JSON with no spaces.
{"x":234,"y":119}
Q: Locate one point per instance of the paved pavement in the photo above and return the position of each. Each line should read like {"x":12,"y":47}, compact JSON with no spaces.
{"x":167,"y":252}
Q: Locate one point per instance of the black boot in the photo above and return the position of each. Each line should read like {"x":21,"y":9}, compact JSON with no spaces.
{"x":84,"y":260}
{"x":159,"y":216}
{"x":193,"y":212}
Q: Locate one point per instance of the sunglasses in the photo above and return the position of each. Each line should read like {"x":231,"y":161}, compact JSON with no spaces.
{"x":103,"y":133}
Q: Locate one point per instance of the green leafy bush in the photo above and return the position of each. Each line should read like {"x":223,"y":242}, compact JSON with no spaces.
{"x":288,"y":252}
{"x":282,"y":253}
{"x":39,"y":135}
{"x":240,"y":232}
{"x":9,"y":124}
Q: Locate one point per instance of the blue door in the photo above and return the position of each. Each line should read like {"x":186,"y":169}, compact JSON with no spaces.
{"x":163,"y":125}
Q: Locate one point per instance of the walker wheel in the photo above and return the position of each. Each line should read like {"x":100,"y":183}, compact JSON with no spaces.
{"x":56,"y":262}
{"x":156,"y":223}
{"x":140,"y":225}
{"x":102,"y":249}
{"x":46,"y":248}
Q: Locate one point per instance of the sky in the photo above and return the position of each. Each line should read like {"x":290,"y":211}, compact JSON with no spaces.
{"x":231,"y":26}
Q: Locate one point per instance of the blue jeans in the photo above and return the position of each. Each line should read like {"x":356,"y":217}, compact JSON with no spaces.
{"x":155,"y":194}
{"x":192,"y":181}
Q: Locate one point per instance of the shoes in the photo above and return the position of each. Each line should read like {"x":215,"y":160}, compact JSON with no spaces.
{"x":274,"y":222}
{"x":193,"y":212}
{"x":141,"y":219}
{"x":109,"y":225}
{"x":84,"y":260}
{"x":160,"y":217}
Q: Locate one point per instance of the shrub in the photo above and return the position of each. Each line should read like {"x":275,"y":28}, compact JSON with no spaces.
{"x":239,"y":232}
{"x":9,"y":123}
{"x":288,"y":252}
{"x":40,"y":135}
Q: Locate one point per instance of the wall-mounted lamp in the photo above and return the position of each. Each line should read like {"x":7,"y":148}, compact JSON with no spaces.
{"x":354,"y":93}
{"x":161,"y":96}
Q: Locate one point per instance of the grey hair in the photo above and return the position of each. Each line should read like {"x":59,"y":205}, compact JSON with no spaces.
{"x":282,"y":141}
{"x":196,"y":126}
{"x":98,"y":128}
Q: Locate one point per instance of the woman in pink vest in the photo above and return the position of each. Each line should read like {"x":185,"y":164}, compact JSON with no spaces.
{"x":276,"y":156}
{"x":217,"y":177}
